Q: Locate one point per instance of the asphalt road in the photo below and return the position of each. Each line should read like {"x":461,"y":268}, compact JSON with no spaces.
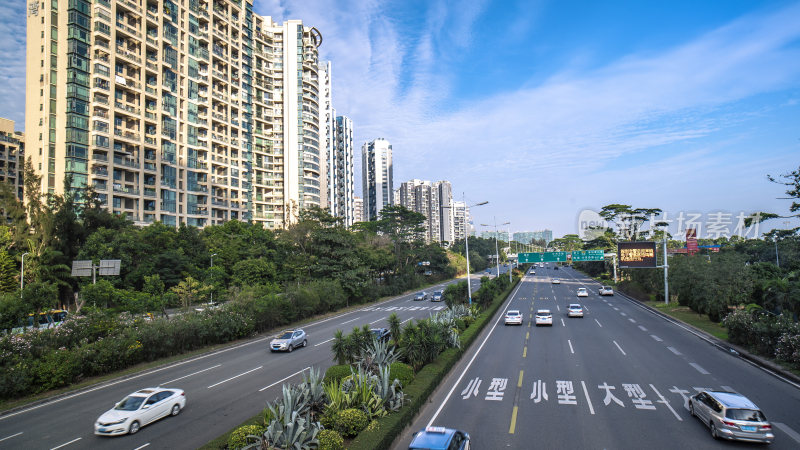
{"x":615,"y":379}
{"x":223,"y":389}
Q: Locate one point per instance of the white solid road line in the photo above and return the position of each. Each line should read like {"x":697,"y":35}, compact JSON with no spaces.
{"x":570,"y":345}
{"x":620,"y":348}
{"x":324,"y":342}
{"x":598,"y":323}
{"x":664,"y":401}
{"x":66,"y":443}
{"x":235,"y":376}
{"x":187,"y":376}
{"x":9,"y":437}
{"x":469,"y":364}
{"x":588,"y":400}
{"x":141,"y":447}
{"x":283,"y":379}
{"x":351,"y":320}
{"x":675,"y":350}
{"x":700,"y":369}
{"x":785,"y":428}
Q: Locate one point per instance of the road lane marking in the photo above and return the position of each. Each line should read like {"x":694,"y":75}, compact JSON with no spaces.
{"x":664,"y":401}
{"x":729,"y":389}
{"x":525,"y":352}
{"x":187,"y":376}
{"x":570,"y":347}
{"x":622,"y":314}
{"x":66,"y":443}
{"x":675,"y":350}
{"x":234,"y":377}
{"x":785,"y":428}
{"x":324,"y":342}
{"x":588,"y":400}
{"x":519,"y":383}
{"x":585,"y":307}
{"x":513,"y":421}
{"x":631,"y":320}
{"x":658,"y":339}
{"x":469,"y":364}
{"x":351,"y":320}
{"x":562,"y":322}
{"x":9,"y":437}
{"x":616,"y":309}
{"x":283,"y":379}
{"x":527,"y":335}
{"x":382,"y":318}
{"x":598,"y":323}
{"x":406,"y":320}
{"x":700,"y":369}
{"x":620,"y":348}
{"x":558,"y":308}
{"x":141,"y":447}
{"x":642,"y":328}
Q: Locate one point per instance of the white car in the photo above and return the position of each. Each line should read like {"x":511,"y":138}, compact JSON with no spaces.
{"x":513,"y":317}
{"x":288,"y":341}
{"x":544,"y":317}
{"x":139,"y":409}
{"x":574,"y":310}
{"x":556,"y":281}
{"x":606,"y":290}
{"x":582,"y":292}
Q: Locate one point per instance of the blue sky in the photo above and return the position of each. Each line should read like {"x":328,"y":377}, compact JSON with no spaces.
{"x":544,"y":108}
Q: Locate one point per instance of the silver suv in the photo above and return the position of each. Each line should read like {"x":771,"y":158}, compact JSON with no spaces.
{"x":731,"y":416}
{"x":288,"y":341}
{"x":420,"y":296}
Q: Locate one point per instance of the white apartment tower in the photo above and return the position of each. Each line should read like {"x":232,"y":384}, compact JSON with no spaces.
{"x":327,"y":130}
{"x":423,"y":197}
{"x":341,"y":178}
{"x":377,"y":177}
{"x":461,"y":219}
{"x":446,"y":212}
{"x":358,"y":209}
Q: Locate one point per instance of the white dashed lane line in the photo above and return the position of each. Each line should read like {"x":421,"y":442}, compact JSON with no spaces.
{"x":700,"y":369}
{"x":642,"y":328}
{"x":674,"y":350}
{"x":620,"y":348}
{"x":658,"y":339}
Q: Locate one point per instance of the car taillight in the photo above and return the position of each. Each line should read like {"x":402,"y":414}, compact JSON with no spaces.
{"x":183,"y":393}
{"x":730,"y":424}
{"x":766,"y":427}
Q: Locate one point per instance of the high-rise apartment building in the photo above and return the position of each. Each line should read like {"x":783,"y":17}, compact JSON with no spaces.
{"x":191,"y":111}
{"x":341,"y":172}
{"x":461,"y":220}
{"x":327,"y":134}
{"x":358,"y":209}
{"x":446,"y":212}
{"x":435,"y":202}
{"x":525,"y":237}
{"x":377,"y":177}
{"x":12,"y":157}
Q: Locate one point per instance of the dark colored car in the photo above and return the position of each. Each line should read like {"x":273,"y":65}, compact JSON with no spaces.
{"x":382,"y":334}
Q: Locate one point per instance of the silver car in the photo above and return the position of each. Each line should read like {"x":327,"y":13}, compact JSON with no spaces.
{"x":420,"y":296}
{"x":731,"y":416}
{"x":437,"y":296}
{"x":289,"y":340}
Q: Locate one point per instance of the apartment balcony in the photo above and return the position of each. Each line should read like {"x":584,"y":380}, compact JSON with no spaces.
{"x":122,"y":26}
{"x":128,"y":55}
{"x":127,"y":82}
{"x":217,"y":202}
{"x":196,"y":187}
{"x":100,"y":173}
{"x":126,"y":162}
{"x":127,"y":108}
{"x":126,"y":134}
{"x":118,"y":188}
{"x":130,"y":4}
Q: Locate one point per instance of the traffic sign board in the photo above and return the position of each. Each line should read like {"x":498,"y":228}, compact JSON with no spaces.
{"x":587,"y":255}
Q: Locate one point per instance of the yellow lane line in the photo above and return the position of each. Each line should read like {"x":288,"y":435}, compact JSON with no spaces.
{"x":525,"y":352}
{"x":513,"y":421}
{"x":519,"y":383}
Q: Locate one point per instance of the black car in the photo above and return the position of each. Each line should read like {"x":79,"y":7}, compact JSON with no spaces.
{"x":382,"y":334}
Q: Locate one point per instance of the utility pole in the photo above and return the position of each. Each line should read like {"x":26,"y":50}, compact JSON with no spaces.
{"x":666,"y":271}
{"x":22,"y":274}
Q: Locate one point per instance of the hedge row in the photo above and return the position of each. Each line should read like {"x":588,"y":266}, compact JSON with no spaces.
{"x":774,"y":336}
{"x":425,"y":382}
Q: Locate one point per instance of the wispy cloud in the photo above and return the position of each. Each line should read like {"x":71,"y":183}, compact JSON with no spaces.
{"x":12,"y":55}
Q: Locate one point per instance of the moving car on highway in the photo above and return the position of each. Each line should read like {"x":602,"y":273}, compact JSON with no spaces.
{"x":513,"y":317}
{"x":574,"y":310}
{"x":139,"y":409}
{"x":437,"y":296}
{"x":440,"y":438}
{"x":544,"y":317}
{"x":420,"y":296}
{"x":289,"y":340}
{"x":731,"y":416}
{"x":582,"y":292}
{"x":556,"y":281}
{"x":381,"y":334}
{"x":606,"y":290}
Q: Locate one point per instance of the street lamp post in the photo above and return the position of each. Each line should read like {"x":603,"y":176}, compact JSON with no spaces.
{"x":496,"y":249}
{"x":22,"y":275}
{"x":466,"y":243}
{"x":212,"y":275}
{"x":509,"y":249}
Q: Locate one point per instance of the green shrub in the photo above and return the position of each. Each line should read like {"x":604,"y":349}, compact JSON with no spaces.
{"x":337,"y":373}
{"x":330,"y":440}
{"x":350,"y":422}
{"x":238,"y":438}
{"x":402,"y":372}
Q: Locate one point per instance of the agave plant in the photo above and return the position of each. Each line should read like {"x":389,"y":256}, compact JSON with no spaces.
{"x":359,"y":386}
{"x":297,"y":433}
{"x":313,"y":391}
{"x":377,"y":354}
{"x":390,"y":391}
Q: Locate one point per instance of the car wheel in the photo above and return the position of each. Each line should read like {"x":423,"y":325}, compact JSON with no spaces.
{"x":714,"y":432}
{"x":291,"y":347}
{"x":691,"y":409}
{"x":176,"y":409}
{"x":305,"y":342}
{"x":134,"y":427}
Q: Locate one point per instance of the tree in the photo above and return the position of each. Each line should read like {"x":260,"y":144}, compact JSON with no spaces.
{"x":629,"y":221}
{"x":39,"y":296}
{"x":154,"y":287}
{"x":13,"y":310}
{"x":8,"y":272}
{"x":568,"y":243}
{"x":190,"y":291}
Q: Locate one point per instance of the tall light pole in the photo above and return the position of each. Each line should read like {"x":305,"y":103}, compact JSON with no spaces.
{"x":466,"y":242}
{"x":496,"y":249}
{"x":509,"y":249}
{"x":22,"y":275}
{"x":212,"y":275}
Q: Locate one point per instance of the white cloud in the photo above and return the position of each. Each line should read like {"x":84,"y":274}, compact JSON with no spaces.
{"x":12,"y":54}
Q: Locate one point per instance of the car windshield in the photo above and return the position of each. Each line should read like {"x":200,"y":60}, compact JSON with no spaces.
{"x":542,"y":314}
{"x":286,"y":335}
{"x":129,"y":404}
{"x":750,"y":415}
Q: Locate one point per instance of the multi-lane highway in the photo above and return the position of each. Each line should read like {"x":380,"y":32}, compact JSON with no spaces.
{"x":223,"y":389}
{"x":617,"y":378}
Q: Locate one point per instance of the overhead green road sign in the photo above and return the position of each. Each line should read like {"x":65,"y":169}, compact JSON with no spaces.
{"x":536,"y":257}
{"x":587,"y":255}
{"x":578,"y":255}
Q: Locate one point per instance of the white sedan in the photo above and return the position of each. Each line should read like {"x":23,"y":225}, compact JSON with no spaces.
{"x":582,"y":292}
{"x":556,"y":281}
{"x":574,"y":310}
{"x":606,"y":290}
{"x":513,"y":317}
{"x":139,"y":409}
{"x":544,"y":317}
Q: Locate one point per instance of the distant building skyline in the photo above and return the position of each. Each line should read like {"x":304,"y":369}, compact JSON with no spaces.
{"x":377,"y":177}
